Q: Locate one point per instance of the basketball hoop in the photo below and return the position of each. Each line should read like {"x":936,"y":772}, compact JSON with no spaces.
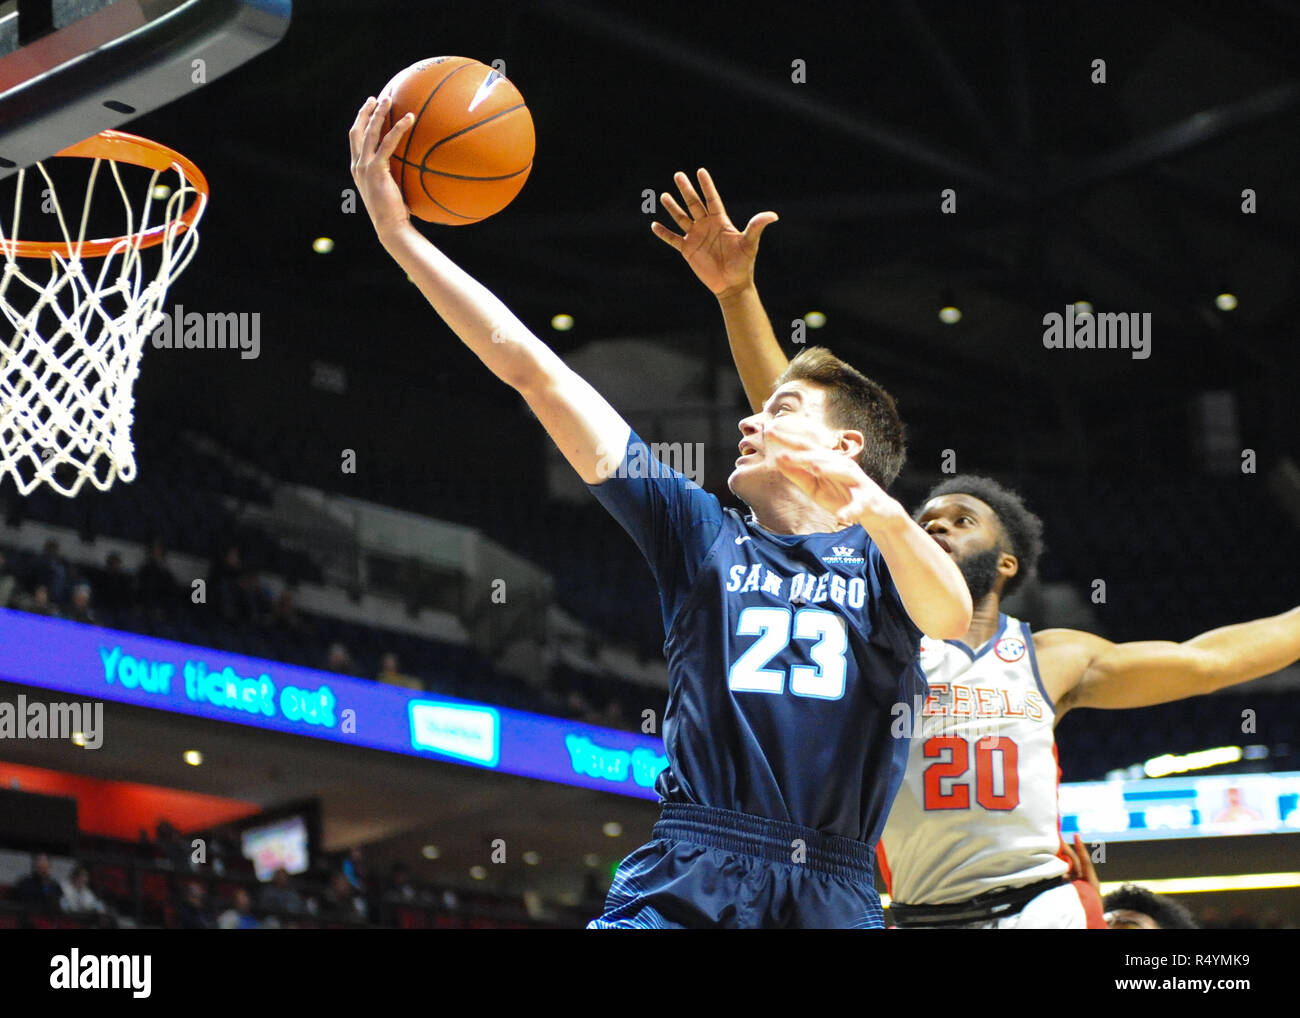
{"x":66,"y":396}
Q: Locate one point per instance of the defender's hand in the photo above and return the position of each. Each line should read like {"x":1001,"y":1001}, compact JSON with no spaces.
{"x":1081,"y":867}
{"x":370,"y":166}
{"x":833,"y":480}
{"x":719,"y":254}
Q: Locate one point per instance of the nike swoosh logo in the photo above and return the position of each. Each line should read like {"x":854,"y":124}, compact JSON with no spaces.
{"x":742,"y":539}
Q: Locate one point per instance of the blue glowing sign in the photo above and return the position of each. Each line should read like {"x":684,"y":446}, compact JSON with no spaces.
{"x":105,"y":664}
{"x":457,"y":730}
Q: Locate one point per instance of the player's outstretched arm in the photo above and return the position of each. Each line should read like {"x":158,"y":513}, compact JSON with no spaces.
{"x":587,"y":430}
{"x":1122,"y":675}
{"x":929,"y":583}
{"x":723,"y":259}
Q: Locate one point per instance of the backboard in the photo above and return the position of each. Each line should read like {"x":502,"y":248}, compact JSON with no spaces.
{"x":72,"y":68}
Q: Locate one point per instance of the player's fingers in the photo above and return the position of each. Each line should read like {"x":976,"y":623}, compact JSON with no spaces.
{"x":1081,"y":855}
{"x":756,"y":226}
{"x":857,"y":497}
{"x":792,"y":467}
{"x":358,"y":128}
{"x":362,"y":118}
{"x":370,"y":141}
{"x":788,"y":437}
{"x":693,"y":203}
{"x":805,"y":462}
{"x":675,"y":210}
{"x":712,"y":200}
{"x":391,"y":139}
{"x":673,"y":240}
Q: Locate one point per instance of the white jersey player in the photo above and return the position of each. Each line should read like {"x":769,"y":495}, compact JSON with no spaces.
{"x":974,"y":830}
{"x":973,"y":838}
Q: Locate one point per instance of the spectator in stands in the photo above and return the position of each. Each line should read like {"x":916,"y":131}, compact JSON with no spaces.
{"x":192,"y":912}
{"x":117,"y":589}
{"x":399,"y":886}
{"x":578,"y":707}
{"x":224,"y":853}
{"x":231,"y":586}
{"x":79,"y":610}
{"x":354,"y":868}
{"x":8,"y":583}
{"x":390,"y":671}
{"x":279,"y":895}
{"x":284,"y":613}
{"x":51,"y":572}
{"x":77,"y":893}
{"x":337,"y":659}
{"x":240,"y":914}
{"x":38,"y":602}
{"x":158,"y":588}
{"x":612,"y":716}
{"x":172,"y":846}
{"x":341,"y":901}
{"x":38,"y":888}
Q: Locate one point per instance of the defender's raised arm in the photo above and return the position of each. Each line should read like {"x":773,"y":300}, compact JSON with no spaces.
{"x":1142,"y":673}
{"x":723,"y":259}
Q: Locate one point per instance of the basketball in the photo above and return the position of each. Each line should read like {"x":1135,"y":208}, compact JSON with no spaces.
{"x":470,"y":149}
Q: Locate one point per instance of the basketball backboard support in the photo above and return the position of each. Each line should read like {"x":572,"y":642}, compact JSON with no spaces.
{"x":72,"y":68}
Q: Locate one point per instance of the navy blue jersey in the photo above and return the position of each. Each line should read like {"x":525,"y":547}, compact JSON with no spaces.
{"x":786,"y":656}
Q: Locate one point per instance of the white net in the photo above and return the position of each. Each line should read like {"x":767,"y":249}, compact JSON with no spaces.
{"x":73,"y":333}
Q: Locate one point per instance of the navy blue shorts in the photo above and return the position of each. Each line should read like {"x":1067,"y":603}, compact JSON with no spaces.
{"x":714,"y":869}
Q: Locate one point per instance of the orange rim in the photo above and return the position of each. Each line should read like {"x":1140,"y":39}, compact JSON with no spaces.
{"x":136,"y":151}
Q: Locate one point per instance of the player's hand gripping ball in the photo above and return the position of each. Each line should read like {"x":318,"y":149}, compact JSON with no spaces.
{"x":471,"y":146}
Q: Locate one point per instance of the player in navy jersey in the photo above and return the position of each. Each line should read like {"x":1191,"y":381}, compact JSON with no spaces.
{"x":790,"y":633}
{"x":973,"y":837}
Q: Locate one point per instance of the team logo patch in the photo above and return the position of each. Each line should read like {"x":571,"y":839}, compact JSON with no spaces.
{"x":1009,"y":649}
{"x":842,"y":554}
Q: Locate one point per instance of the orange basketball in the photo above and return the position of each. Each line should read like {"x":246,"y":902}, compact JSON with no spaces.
{"x":470,"y":149}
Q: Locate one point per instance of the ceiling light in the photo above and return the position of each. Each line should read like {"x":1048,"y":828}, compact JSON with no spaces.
{"x":1170,"y":763}
{"x":1196,"y":885}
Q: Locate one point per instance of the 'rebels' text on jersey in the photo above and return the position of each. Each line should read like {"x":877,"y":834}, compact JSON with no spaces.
{"x":977,"y":810}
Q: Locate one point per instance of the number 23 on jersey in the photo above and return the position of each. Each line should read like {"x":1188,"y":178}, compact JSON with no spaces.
{"x":775,"y":628}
